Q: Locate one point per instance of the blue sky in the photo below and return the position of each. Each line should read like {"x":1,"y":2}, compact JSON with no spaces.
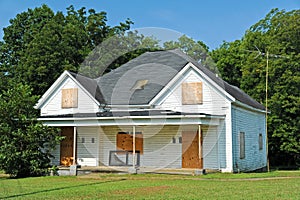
{"x":211,"y":21}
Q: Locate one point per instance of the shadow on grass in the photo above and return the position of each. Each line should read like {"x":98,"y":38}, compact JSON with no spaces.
{"x":58,"y":189}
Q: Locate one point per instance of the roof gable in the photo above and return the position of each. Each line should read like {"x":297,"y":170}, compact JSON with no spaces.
{"x":86,"y":84}
{"x":156,"y":70}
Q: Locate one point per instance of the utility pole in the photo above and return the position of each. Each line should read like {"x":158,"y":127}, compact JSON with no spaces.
{"x":267,"y":142}
{"x":266,"y":89}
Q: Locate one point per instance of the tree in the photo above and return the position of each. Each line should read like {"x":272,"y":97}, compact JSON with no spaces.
{"x":115,"y":51}
{"x":278,"y":35}
{"x":39,"y":44}
{"x":195,"y":49}
{"x":229,"y":59}
{"x":25,"y":144}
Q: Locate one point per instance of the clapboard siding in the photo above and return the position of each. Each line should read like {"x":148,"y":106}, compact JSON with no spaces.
{"x":210,"y":148}
{"x":55,"y":160}
{"x":213,"y":102}
{"x":252,"y":124}
{"x":54,"y":104}
{"x":162,"y":148}
{"x":158,"y":149}
{"x":87,"y":146}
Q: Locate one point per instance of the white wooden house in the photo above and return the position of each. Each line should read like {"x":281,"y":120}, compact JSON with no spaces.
{"x":159,"y":110}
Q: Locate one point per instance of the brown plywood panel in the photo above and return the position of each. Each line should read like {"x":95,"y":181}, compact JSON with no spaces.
{"x":66,"y":146}
{"x":125,"y":142}
{"x":192,"y":93}
{"x":191,"y":155}
{"x":69,"y":98}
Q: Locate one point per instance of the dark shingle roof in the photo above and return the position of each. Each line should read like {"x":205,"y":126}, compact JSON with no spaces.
{"x":90,"y":85}
{"x":158,"y":68}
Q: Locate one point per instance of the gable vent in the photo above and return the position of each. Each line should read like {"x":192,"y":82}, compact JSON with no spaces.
{"x":139,"y":85}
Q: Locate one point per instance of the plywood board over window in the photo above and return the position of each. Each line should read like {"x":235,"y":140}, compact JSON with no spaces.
{"x":125,"y":142}
{"x":69,"y":98}
{"x":192,"y":93}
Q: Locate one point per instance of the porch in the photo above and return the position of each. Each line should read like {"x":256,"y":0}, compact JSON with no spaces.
{"x":146,"y":143}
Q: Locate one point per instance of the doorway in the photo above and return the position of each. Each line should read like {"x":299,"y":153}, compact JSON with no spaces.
{"x":192,"y":150}
{"x":67,"y":146}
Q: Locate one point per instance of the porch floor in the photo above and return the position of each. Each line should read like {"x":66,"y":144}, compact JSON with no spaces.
{"x":139,"y":170}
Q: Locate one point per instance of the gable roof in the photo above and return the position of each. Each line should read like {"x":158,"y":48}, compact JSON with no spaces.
{"x":90,"y":85}
{"x":155,"y":70}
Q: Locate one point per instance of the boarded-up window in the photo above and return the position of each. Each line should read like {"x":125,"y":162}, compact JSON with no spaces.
{"x":192,"y":93}
{"x":242,"y":145}
{"x":125,"y":142}
{"x":69,"y":98}
{"x":260,"y":141}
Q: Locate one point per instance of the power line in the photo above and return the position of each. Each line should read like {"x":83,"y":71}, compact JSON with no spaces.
{"x":267,"y":54}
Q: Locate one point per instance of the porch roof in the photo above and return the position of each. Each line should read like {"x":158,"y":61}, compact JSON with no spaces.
{"x":143,"y":117}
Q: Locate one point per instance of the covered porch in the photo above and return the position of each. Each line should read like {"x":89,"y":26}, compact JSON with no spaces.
{"x":147,"y":143}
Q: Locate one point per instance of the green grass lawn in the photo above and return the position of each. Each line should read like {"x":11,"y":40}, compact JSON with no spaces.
{"x":274,"y":185}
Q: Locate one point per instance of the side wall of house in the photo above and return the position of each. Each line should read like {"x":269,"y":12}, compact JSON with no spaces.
{"x":54,"y":105}
{"x":251,"y":124}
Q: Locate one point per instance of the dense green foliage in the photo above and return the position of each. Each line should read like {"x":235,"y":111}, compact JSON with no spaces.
{"x":40,"y":44}
{"x":37,"y":47}
{"x":195,"y":49}
{"x":115,"y":51}
{"x":25,"y":144}
{"x":113,"y":186}
{"x":243,"y":63}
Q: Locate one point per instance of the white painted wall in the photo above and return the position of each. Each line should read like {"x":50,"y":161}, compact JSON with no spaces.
{"x":53,"y":105}
{"x":214,"y":102}
{"x":159,"y":149}
{"x":87,"y":146}
{"x":252,"y":124}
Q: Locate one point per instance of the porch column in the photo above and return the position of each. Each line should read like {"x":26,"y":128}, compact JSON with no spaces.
{"x":133,"y":147}
{"x":74,"y":145}
{"x":199,"y":143}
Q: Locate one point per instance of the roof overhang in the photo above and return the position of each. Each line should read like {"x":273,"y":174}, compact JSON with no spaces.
{"x":212,"y":120}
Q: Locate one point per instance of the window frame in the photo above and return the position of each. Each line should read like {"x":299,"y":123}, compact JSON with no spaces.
{"x":242,"y":145}
{"x":260,"y":142}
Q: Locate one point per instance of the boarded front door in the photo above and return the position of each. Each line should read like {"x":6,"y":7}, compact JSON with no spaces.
{"x":66,"y":146}
{"x":191,"y":154}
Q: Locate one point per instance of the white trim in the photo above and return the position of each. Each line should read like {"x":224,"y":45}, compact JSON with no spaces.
{"x":54,"y":86}
{"x":179,"y":75}
{"x":243,"y":105}
{"x":169,"y":85}
{"x":133,"y":120}
{"x":131,"y":117}
{"x":222,"y":90}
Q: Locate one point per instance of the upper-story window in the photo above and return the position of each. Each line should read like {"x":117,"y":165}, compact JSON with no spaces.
{"x":69,"y":98}
{"x":192,"y":93}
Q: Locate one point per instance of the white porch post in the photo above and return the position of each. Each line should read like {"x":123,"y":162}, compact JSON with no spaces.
{"x":199,"y":142}
{"x":133,"y":148}
{"x":74,"y":145}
